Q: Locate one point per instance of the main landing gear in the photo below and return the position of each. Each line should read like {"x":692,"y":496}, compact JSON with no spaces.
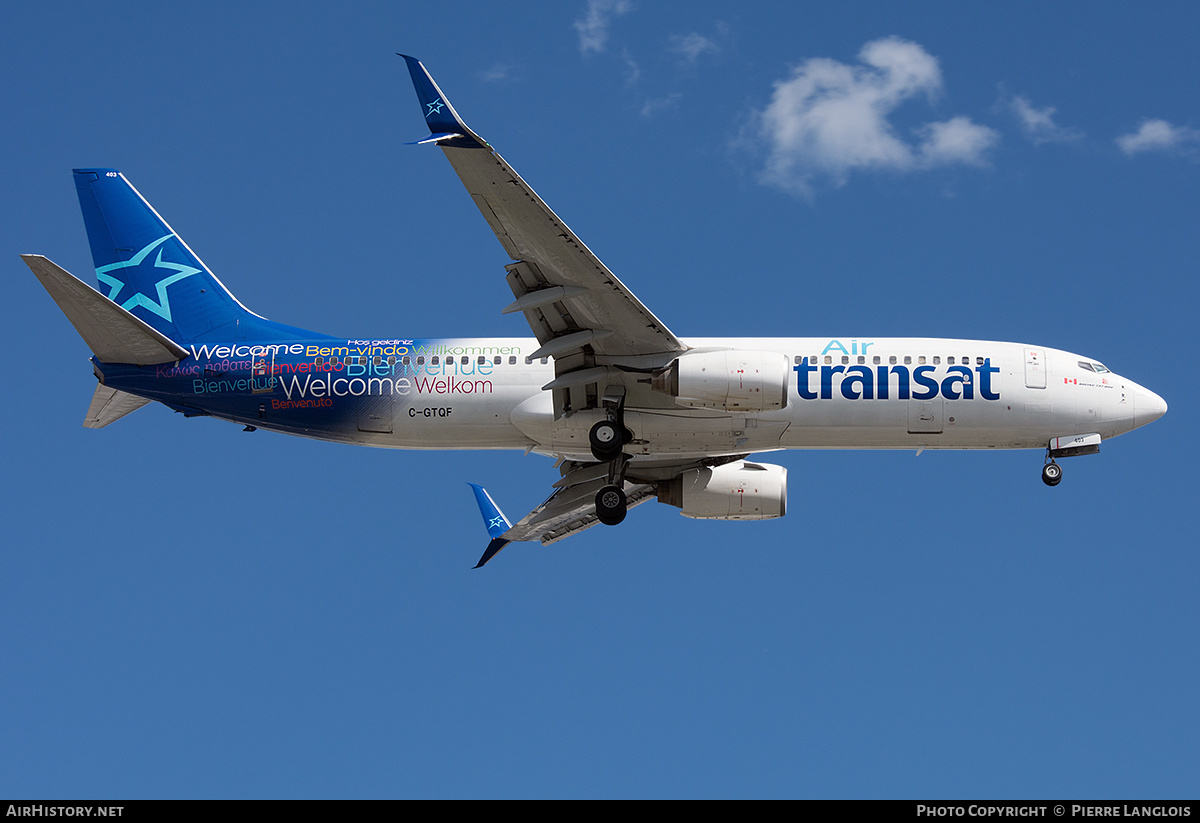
{"x":607,"y":440}
{"x":611,"y":505}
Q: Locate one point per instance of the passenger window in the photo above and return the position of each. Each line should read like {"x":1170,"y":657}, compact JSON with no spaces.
{"x":512,"y":360}
{"x":877,"y":360}
{"x":892,"y":360}
{"x":920,"y":360}
{"x":495,"y":360}
{"x":378,"y":360}
{"x":950,"y":360}
{"x":908,"y":359}
{"x":861,"y":360}
{"x":845,"y":359}
{"x":828,"y":359}
{"x":937,"y":360}
{"x":404,"y":360}
{"x":797,"y":360}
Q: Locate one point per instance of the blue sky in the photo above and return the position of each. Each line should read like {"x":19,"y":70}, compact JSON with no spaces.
{"x":191,"y":611}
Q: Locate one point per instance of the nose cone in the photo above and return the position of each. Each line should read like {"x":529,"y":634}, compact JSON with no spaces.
{"x":1147,"y":406}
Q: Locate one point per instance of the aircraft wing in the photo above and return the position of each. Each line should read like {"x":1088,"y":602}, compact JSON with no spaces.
{"x":570,"y":509}
{"x":577,"y":308}
{"x":583,"y":316}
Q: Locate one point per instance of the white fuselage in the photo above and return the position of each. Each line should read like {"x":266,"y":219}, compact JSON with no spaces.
{"x":841,"y":393}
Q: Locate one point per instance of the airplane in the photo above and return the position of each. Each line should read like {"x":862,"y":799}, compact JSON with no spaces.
{"x":629,"y":411}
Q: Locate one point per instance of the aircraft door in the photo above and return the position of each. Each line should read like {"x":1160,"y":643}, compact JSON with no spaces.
{"x":1035,"y":368}
{"x":262,"y":367}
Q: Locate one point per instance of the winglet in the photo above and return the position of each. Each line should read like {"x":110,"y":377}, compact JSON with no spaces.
{"x":495,"y":521}
{"x":445,"y":126}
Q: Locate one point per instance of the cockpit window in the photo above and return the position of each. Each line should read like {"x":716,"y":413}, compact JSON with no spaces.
{"x":1083,"y":364}
{"x":1101,"y":368}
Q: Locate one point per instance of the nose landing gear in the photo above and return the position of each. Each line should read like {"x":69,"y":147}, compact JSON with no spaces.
{"x":1067,"y":446}
{"x":1052,"y":473}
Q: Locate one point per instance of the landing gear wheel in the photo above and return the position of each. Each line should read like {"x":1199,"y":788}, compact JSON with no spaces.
{"x":606,"y":440}
{"x":611,"y":505}
{"x":1051,"y":474}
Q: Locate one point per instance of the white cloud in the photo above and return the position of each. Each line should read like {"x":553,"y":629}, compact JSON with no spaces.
{"x":497,"y":73}
{"x":691,"y":46}
{"x":830,"y":118}
{"x":694,"y":45}
{"x":632,"y":71}
{"x":657,"y":104}
{"x":1158,"y":135}
{"x":957,"y":140}
{"x":593,"y":26}
{"x":1038,"y":124}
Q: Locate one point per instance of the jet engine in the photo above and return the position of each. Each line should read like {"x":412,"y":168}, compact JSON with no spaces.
{"x":733,"y":491}
{"x":733,"y":380}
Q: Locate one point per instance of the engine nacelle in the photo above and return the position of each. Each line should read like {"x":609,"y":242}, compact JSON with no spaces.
{"x":745,"y":381}
{"x":733,"y":491}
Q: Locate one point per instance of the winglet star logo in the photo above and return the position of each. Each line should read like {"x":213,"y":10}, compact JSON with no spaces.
{"x":434,"y":108}
{"x":107,"y":276}
{"x":495,"y":523}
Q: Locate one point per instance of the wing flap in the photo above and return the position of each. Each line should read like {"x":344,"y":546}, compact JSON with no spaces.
{"x":496,"y":226}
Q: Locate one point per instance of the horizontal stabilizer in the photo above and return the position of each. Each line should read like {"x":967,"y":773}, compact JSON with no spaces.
{"x":109,"y":405}
{"x":112,"y":333}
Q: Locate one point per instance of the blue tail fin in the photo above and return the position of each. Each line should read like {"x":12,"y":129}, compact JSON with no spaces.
{"x":147,"y":269}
